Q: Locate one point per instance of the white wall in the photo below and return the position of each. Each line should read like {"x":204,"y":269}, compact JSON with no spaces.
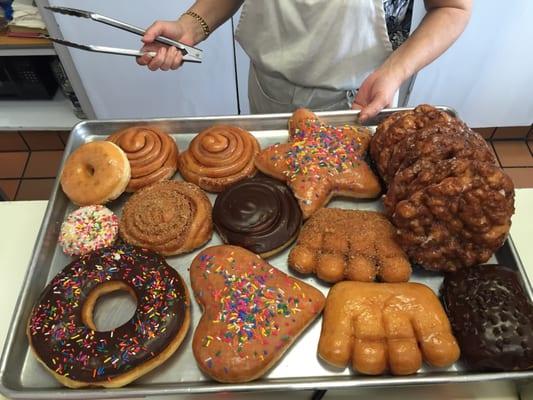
{"x":118,"y":88}
{"x":487,"y":75}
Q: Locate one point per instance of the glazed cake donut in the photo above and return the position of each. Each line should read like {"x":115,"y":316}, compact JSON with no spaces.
{"x":62,"y":333}
{"x":169,"y":217}
{"x":95,"y":173}
{"x":259,"y":214}
{"x":88,"y":228}
{"x":152,"y":153}
{"x":218,"y":157}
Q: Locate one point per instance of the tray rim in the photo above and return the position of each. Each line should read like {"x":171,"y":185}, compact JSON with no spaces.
{"x":209,"y":387}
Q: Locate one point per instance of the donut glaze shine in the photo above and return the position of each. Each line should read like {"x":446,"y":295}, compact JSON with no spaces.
{"x":62,"y":334}
{"x":259,"y":214}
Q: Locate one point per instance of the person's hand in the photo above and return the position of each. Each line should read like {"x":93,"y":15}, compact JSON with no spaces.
{"x":167,"y":57}
{"x":376,"y":92}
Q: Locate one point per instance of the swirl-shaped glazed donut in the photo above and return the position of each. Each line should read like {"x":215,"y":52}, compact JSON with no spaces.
{"x":95,"y":173}
{"x":259,"y":214}
{"x":62,"y":333}
{"x":218,"y":157}
{"x":169,"y":217}
{"x":153,"y":155}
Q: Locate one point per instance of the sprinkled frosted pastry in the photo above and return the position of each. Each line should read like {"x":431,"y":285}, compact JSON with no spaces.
{"x":320,"y":161}
{"x":87,"y":229}
{"x":252,"y":313}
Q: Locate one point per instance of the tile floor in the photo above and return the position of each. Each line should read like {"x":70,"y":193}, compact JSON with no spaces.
{"x":29,"y":160}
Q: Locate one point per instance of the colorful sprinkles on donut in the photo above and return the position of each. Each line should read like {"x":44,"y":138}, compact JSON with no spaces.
{"x":76,"y":352}
{"x":87,"y":229}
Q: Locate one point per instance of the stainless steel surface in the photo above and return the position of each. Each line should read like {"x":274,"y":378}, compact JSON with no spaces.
{"x":21,"y":376}
{"x":102,"y":49}
{"x":190,"y":54}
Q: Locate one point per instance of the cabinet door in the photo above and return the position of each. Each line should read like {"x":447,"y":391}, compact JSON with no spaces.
{"x":118,"y":88}
{"x":487,"y":75}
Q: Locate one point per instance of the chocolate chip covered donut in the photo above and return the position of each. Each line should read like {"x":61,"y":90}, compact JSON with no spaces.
{"x":491,"y":316}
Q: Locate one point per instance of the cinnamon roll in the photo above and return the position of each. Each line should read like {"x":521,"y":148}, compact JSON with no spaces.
{"x":259,"y":214}
{"x":168,"y":217}
{"x":153,"y":155}
{"x":218,"y":157}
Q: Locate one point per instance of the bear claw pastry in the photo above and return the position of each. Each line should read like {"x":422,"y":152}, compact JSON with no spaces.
{"x":320,"y":161}
{"x":349,"y":244}
{"x":385,"y":326}
{"x":252,"y":313}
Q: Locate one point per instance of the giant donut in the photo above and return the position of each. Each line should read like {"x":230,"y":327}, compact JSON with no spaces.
{"x":64,"y":338}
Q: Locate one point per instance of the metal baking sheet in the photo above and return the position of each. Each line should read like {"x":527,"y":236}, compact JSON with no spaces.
{"x":21,"y":376}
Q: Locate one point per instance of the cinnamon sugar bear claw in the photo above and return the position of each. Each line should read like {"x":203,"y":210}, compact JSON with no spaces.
{"x":385,"y":326}
{"x":349,"y":244}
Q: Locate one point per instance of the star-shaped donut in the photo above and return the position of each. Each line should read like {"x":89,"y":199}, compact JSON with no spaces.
{"x":320,"y":161}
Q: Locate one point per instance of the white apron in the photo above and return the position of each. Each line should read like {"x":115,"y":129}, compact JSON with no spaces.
{"x":310,"y":53}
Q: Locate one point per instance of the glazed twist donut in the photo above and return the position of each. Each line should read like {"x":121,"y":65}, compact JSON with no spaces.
{"x":153,"y":155}
{"x":169,"y":217}
{"x":218,"y":157}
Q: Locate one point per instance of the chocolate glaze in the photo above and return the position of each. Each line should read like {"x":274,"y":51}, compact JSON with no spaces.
{"x":259,"y":214}
{"x":70,"y":348}
{"x":491,"y":317}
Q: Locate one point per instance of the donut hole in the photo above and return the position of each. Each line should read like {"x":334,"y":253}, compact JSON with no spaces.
{"x":109,"y":306}
{"x":90,"y":170}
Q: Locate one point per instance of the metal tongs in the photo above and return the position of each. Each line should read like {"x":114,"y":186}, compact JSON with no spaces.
{"x":190,"y":54}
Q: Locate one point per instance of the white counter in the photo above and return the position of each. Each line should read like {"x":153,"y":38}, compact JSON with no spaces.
{"x":20,"y":222}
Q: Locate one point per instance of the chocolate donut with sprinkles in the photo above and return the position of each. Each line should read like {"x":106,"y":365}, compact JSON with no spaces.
{"x":64,"y":338}
{"x":252,"y":313}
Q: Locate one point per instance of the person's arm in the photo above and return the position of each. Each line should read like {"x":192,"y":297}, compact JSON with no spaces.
{"x":185,"y":29}
{"x":444,"y":22}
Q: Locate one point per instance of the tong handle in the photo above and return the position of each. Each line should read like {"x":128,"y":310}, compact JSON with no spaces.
{"x":186,"y":50}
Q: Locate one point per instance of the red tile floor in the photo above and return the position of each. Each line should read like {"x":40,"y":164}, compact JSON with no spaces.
{"x":29,"y":160}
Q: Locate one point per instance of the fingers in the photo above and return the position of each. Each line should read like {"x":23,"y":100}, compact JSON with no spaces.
{"x":330,"y":267}
{"x":404,"y":355}
{"x":360,"y":268}
{"x":302,"y":259}
{"x":378,"y":103}
{"x":394,"y":269}
{"x":165,"y":59}
{"x":331,"y":263}
{"x":433,"y":331}
{"x":158,"y":28}
{"x":336,"y":339}
{"x":370,"y":348}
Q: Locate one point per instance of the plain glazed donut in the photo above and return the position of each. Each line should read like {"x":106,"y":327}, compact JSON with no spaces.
{"x":64,"y":338}
{"x":218,"y":157}
{"x":95,"y":173}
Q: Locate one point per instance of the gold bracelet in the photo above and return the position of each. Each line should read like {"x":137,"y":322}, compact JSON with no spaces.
{"x":201,"y":21}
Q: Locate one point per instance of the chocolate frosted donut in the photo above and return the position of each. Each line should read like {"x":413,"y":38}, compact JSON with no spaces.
{"x":491,"y":316}
{"x":61,"y":329}
{"x":259,"y":214}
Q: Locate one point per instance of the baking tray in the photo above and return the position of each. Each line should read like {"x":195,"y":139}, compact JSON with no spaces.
{"x":21,"y":376}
